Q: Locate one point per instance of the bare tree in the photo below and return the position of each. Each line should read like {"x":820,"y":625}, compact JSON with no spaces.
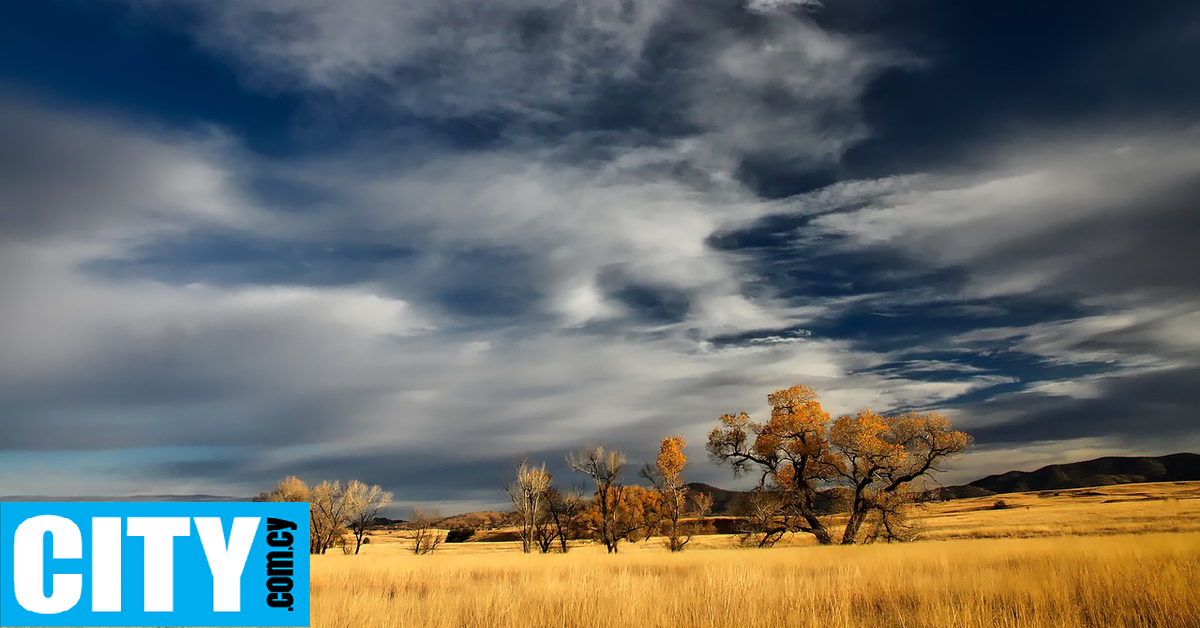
{"x":528,"y":494}
{"x":765,"y":519}
{"x":426,"y":536}
{"x":888,"y":520}
{"x":605,"y":469}
{"x":701,"y":506}
{"x":565,"y":509}
{"x":363,"y":503}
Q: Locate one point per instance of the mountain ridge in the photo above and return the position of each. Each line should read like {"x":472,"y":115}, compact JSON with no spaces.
{"x":1103,"y":471}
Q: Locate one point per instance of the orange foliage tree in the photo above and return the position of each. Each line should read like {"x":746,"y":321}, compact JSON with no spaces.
{"x":800,"y":455}
{"x":682,"y":514}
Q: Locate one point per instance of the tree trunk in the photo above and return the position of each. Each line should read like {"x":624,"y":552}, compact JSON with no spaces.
{"x":817,"y":528}
{"x":858,"y":514}
{"x":562,"y":536}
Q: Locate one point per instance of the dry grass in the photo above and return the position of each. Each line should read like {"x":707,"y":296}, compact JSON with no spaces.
{"x":1124,"y":509}
{"x":964,"y":580}
{"x":1145,"y":580}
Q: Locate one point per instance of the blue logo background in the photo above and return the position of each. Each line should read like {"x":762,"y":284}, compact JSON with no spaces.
{"x":193,"y":590}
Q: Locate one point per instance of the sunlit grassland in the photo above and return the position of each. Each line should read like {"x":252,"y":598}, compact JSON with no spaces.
{"x":1033,"y":564}
{"x":1142,"y":580}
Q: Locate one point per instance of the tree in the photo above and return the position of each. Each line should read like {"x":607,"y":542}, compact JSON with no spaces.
{"x":293,"y":489}
{"x":888,"y":520}
{"x":426,"y":536}
{"x":605,"y":469}
{"x":639,"y":513}
{"x":528,"y":495}
{"x":878,"y":457}
{"x":565,"y":510}
{"x":801,"y":458}
{"x":363,"y":503}
{"x":289,"y":489}
{"x":765,"y":519}
{"x":328,"y":514}
{"x":681,"y":514}
{"x":334,"y":511}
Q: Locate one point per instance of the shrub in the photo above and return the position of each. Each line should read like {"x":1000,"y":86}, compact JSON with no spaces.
{"x":459,"y":535}
{"x":1000,"y":505}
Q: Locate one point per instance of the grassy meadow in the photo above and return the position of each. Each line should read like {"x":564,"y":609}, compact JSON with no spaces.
{"x":1112,"y":556}
{"x":1145,"y":580}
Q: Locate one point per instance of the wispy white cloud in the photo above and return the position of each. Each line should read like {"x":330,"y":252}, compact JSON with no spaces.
{"x":436,"y":58}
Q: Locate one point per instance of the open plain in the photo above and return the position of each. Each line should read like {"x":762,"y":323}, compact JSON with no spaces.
{"x":1109,"y":556}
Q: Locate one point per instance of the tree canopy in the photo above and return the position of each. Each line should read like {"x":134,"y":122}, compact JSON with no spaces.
{"x":802,"y":456}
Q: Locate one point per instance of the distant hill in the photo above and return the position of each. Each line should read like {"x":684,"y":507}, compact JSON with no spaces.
{"x":482,"y":520}
{"x":1099,"y":472}
{"x":384,"y":522}
{"x":965,"y":491}
{"x":725,"y":502}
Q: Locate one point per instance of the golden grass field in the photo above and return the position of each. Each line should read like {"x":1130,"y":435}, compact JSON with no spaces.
{"x":1111,"y":556}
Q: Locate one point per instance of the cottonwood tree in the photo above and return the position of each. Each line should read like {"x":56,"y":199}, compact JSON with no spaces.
{"x":799,"y":456}
{"x":293,"y":489}
{"x":426,"y":536}
{"x":681,"y":514}
{"x":528,"y":493}
{"x":363,"y":503}
{"x":329,"y":511}
{"x":639,"y":513}
{"x":878,"y":457}
{"x":334,"y":510}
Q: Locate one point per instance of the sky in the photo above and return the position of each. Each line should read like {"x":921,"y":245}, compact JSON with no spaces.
{"x":410,"y":242}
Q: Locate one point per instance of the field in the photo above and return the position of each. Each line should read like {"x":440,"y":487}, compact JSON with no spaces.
{"x":1112,"y":556}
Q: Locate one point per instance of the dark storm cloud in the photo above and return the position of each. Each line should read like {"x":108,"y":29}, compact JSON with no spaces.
{"x":65,"y":178}
{"x":1140,"y":244}
{"x":1135,"y":408}
{"x":662,"y":304}
{"x":1001,"y":69}
{"x":412,"y":476}
{"x":51,"y":425}
{"x":236,"y":383}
